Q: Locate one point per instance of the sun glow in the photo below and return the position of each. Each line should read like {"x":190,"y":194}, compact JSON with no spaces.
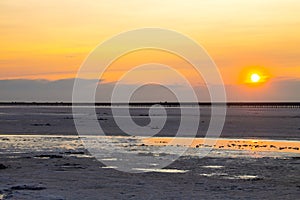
{"x":254,"y":76}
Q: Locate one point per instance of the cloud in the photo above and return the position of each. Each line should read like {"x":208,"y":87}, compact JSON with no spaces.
{"x":61,"y":91}
{"x":38,"y":90}
{"x":278,"y":90}
{"x":286,"y":90}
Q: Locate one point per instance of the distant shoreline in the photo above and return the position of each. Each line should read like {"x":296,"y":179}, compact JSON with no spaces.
{"x":164,"y":104}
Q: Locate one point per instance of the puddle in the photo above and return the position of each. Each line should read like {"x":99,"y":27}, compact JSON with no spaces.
{"x":13,"y":157}
{"x":214,"y":174}
{"x":161,"y":170}
{"x":153,"y":164}
{"x":109,"y":159}
{"x":238,"y":177}
{"x":247,"y":177}
{"x":213,"y":166}
{"x":81,"y":156}
{"x":109,"y":167}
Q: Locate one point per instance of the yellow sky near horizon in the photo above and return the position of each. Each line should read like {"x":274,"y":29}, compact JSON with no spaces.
{"x":50,"y":39}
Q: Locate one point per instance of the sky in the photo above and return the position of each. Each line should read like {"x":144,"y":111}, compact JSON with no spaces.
{"x":44,"y":43}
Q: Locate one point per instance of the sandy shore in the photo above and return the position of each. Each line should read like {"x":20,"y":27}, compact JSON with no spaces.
{"x":59,"y":167}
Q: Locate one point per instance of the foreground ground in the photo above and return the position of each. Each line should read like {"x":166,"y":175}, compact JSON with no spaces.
{"x":62,"y":169}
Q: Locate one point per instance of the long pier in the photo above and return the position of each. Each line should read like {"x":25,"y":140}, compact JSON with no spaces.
{"x":165,"y":104}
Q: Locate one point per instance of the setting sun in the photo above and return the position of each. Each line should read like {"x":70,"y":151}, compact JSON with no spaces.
{"x":255,"y":78}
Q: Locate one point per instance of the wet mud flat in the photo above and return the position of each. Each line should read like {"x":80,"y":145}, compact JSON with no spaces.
{"x":60,"y":168}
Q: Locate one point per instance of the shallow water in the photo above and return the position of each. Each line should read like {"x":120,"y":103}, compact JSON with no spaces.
{"x":58,"y":167}
{"x":110,"y":145}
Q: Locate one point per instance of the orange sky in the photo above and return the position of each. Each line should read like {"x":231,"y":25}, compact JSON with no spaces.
{"x":49,"y":39}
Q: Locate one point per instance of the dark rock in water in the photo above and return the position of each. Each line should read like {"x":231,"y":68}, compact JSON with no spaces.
{"x":28,"y":187}
{"x":71,"y":165}
{"x":48,"y":156}
{"x":26,"y":157}
{"x":41,"y":124}
{"x":75,"y":152}
{"x":144,"y":115}
{"x":3,"y":166}
{"x":281,"y":148}
{"x":102,"y":119}
{"x":68,"y":118}
{"x":257,"y":179}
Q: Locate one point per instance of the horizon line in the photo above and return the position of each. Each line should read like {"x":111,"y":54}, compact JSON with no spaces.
{"x":165,"y":104}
